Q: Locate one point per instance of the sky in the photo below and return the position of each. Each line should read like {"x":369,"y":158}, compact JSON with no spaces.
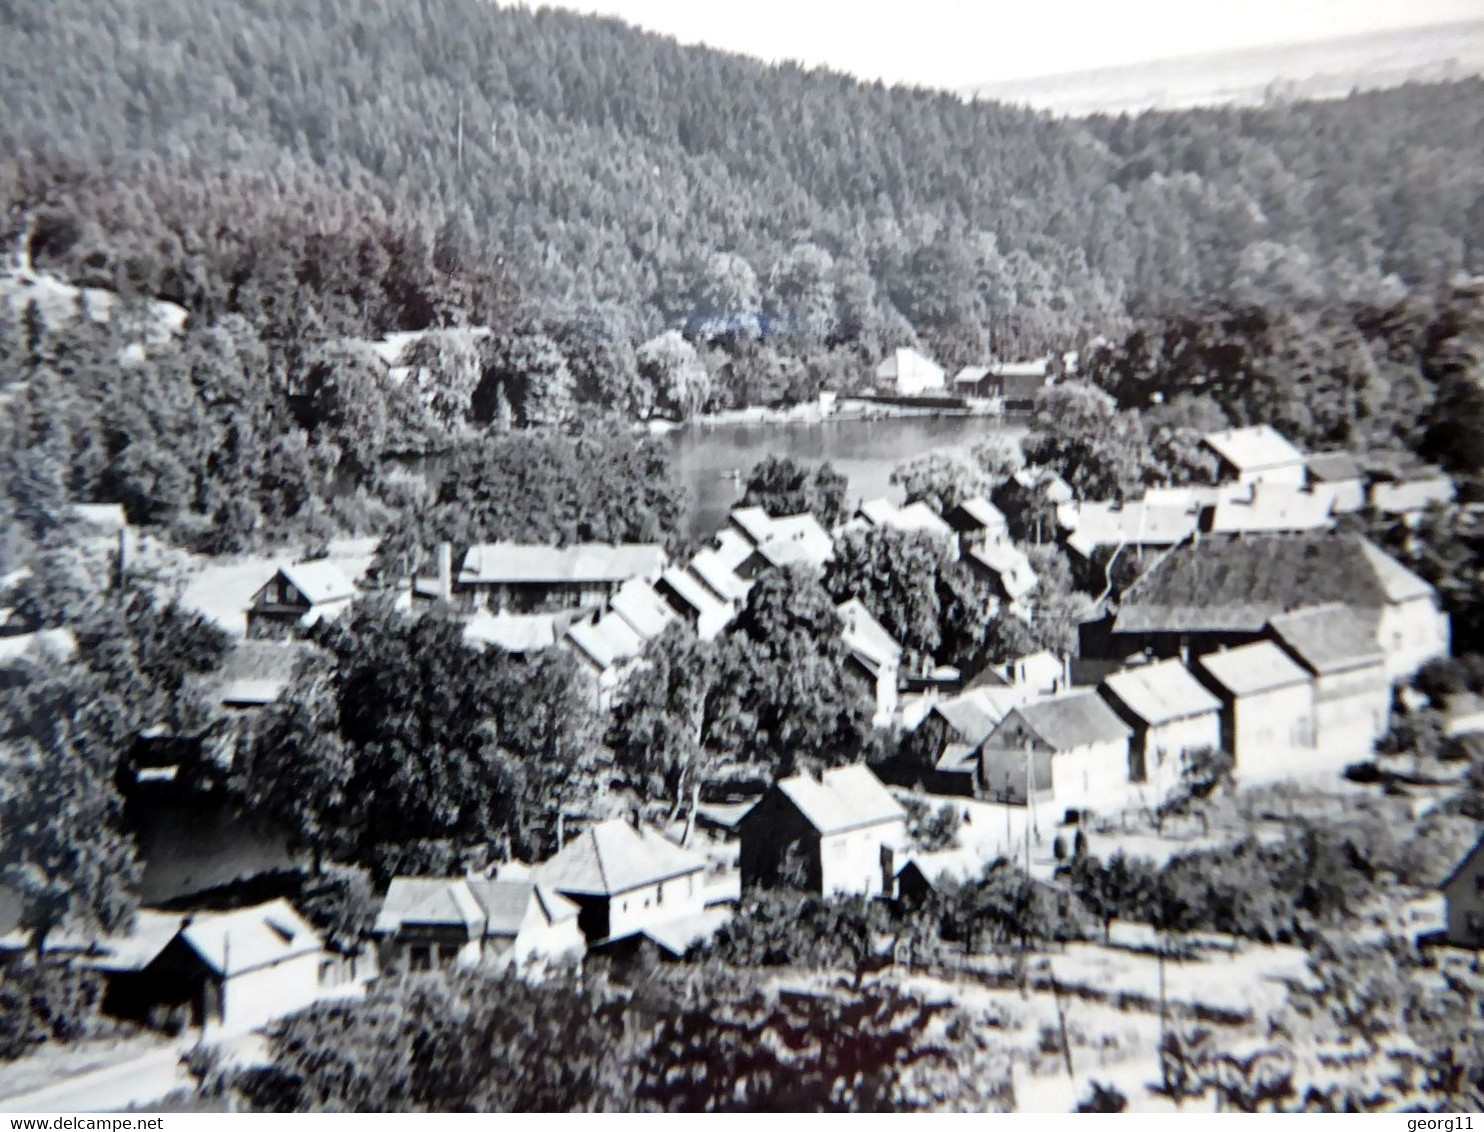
{"x":956,"y":43}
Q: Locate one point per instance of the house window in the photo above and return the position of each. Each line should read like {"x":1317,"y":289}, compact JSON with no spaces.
{"x":419,"y":958}
{"x":447,"y":953}
{"x":659,"y":893}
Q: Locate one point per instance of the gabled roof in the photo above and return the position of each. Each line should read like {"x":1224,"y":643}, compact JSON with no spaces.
{"x":641,"y":608}
{"x":1038,"y":367}
{"x":916,"y":517}
{"x":867,"y":637}
{"x":428,"y":901}
{"x":720,"y":574}
{"x":1221,"y":585}
{"x":797,"y":540}
{"x":690,"y":592}
{"x":1065,"y":723}
{"x":1273,"y":508}
{"x":971,"y":375}
{"x":614,"y":857}
{"x":1459,"y":869}
{"x":1010,"y":565}
{"x":952,"y":865}
{"x":507,"y":904}
{"x":1411,"y":496}
{"x":731,"y":547}
{"x":320,"y":582}
{"x":513,"y":632}
{"x":1161,"y":693}
{"x":977,"y":513}
{"x":975,"y":714}
{"x":1049,"y":483}
{"x":257,"y":672}
{"x":231,"y":943}
{"x":608,"y":641}
{"x":1329,"y":638}
{"x":848,"y":797}
{"x":1333,"y":467}
{"x":515,"y":563}
{"x":1251,"y":669}
{"x":1253,"y":449}
{"x":1093,"y":525}
{"x":753,"y":522}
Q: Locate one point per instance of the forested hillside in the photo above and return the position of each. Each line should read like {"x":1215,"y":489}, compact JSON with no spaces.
{"x":647,"y":184}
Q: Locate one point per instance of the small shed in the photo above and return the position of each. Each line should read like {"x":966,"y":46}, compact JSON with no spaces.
{"x":1463,"y":896}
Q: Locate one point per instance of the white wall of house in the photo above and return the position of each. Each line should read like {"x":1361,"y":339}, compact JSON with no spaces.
{"x":1351,"y":709}
{"x":1166,"y":747}
{"x":1269,"y":728}
{"x":1092,"y":777}
{"x":671,"y":899}
{"x":549,"y":941}
{"x":265,"y":993}
{"x":1412,"y":633}
{"x":850,"y":862}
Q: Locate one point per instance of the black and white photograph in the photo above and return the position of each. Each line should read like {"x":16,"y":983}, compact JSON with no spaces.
{"x":656,"y":556}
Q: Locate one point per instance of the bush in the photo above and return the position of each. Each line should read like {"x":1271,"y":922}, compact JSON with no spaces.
{"x":52,"y":1002}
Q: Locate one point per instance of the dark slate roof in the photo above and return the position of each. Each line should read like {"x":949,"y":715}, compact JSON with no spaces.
{"x":1330,"y":638}
{"x":848,"y":797}
{"x":1067,"y":722}
{"x":613,"y":857}
{"x":1238,"y":586}
{"x":1334,"y":467}
{"x":1161,"y":693}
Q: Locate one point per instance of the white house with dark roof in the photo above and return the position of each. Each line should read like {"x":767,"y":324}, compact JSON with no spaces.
{"x":525,"y":579}
{"x":625,"y":877}
{"x":297,"y":597}
{"x":1071,"y":751}
{"x":228,"y":972}
{"x":1258,"y":453}
{"x":1171,"y":714}
{"x":428,"y":922}
{"x":823,"y":831}
{"x":1267,"y":708}
{"x":1337,"y":645}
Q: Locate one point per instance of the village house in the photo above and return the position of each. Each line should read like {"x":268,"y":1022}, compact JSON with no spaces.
{"x":1267,"y":707}
{"x":915,"y":518}
{"x":227,"y":971}
{"x":430,"y":922}
{"x":1046,"y":483}
{"x":1171,"y":715}
{"x":823,"y":832}
{"x":1259,"y":453}
{"x":1137,"y":526}
{"x":298,"y":597}
{"x":716,"y":566}
{"x":608,"y":645}
{"x":977,"y":521}
{"x":908,"y":374}
{"x":1352,"y":695}
{"x":1007,"y":568}
{"x":973,"y":381}
{"x":695,"y":603}
{"x":873,"y":654}
{"x":625,"y":876}
{"x":1221,"y":593}
{"x":1070,"y":750}
{"x":527,"y":579}
{"x":519,"y":634}
{"x":1271,"y":508}
{"x":1018,"y":384}
{"x":1339,"y":477}
{"x":1408,"y":496}
{"x":793,"y":540}
{"x":912,"y":877}
{"x":1463,"y":898}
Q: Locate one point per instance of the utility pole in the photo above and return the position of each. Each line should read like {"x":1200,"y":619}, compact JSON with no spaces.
{"x":459,"y":137}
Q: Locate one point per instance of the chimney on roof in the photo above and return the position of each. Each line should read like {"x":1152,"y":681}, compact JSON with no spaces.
{"x":445,"y":571}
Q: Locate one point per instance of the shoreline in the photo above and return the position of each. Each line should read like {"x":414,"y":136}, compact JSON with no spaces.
{"x":846,"y":409}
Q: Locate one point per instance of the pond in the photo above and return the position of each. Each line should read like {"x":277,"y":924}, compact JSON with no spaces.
{"x":712,"y":460}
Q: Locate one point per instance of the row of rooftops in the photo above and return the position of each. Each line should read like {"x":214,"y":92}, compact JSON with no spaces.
{"x":1306,"y":644}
